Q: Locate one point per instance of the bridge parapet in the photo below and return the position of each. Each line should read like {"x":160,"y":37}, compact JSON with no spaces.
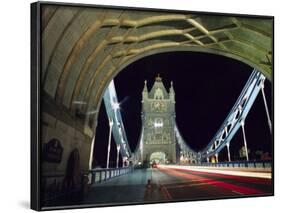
{"x":102,"y":175}
{"x":253,"y":164}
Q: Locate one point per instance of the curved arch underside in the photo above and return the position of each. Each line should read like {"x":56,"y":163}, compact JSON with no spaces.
{"x":84,"y":48}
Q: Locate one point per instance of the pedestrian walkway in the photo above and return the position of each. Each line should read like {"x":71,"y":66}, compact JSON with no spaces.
{"x":138,"y":186}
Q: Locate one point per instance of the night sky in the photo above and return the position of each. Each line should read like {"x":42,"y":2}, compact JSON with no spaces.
{"x":206,"y":88}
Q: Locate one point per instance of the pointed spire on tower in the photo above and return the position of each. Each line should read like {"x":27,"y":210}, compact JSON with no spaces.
{"x":145,"y":86}
{"x":172,"y":92}
{"x":158,"y":78}
{"x":145,"y":91}
{"x":172,"y":88}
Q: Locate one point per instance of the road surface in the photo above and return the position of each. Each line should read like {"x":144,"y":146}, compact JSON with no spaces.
{"x":188,"y":184}
{"x":169,"y":184}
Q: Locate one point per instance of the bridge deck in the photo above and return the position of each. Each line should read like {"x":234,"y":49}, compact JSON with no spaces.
{"x":168,"y":183}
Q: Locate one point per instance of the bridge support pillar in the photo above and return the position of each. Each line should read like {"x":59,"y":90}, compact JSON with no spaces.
{"x":109,"y":143}
{"x":266,"y":108}
{"x":245,"y":141}
{"x":117,"y":160}
{"x":91,"y":152}
{"x":217,"y":157}
{"x":228,"y":151}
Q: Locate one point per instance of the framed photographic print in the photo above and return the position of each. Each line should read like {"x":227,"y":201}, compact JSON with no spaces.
{"x":136,"y":106}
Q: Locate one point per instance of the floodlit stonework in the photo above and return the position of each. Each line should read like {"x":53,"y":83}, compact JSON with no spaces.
{"x":158,"y":118}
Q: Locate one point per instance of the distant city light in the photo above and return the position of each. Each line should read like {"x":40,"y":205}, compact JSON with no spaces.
{"x":181,"y":157}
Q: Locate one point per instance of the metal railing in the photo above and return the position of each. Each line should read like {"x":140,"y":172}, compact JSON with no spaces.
{"x":101,"y":175}
{"x":259,"y":164}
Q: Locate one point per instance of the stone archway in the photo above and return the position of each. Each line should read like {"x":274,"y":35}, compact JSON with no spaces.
{"x":85,"y":48}
{"x":158,"y":157}
{"x":170,"y":154}
{"x":119,"y":35}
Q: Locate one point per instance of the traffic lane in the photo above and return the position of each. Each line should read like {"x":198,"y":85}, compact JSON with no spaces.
{"x":242,"y":185}
{"x":262,"y":185}
{"x":242,"y":172}
{"x":176,"y":187}
{"x":195,"y":186}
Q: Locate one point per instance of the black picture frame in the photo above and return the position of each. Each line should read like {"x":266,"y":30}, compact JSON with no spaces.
{"x":37,"y":92}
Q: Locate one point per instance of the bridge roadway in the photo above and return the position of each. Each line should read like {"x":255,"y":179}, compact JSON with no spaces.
{"x":175,"y":183}
{"x":169,"y":183}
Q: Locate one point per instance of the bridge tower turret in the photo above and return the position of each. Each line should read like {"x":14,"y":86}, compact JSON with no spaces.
{"x":172,"y":93}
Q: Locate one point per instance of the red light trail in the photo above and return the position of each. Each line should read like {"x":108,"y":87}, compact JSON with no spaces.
{"x":211,"y":179}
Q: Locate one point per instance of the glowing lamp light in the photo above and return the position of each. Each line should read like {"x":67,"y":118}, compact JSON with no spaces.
{"x":157,"y":125}
{"x":115,"y":105}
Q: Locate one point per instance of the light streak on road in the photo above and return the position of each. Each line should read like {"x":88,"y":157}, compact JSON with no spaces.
{"x":266,"y":175}
{"x":211,"y":181}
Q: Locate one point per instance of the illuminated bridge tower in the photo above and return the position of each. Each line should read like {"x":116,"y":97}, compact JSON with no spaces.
{"x":158,"y":120}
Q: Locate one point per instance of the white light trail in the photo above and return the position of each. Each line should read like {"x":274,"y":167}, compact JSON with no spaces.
{"x":266,"y":175}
